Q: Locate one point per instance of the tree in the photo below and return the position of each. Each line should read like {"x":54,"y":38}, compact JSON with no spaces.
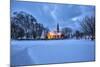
{"x":66,"y":31}
{"x":77,"y":34}
{"x":25,"y":25}
{"x":88,"y":26}
{"x":16,"y":31}
{"x":22,"y":25}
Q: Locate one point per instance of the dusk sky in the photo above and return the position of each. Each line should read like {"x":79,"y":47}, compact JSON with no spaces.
{"x":49,"y":14}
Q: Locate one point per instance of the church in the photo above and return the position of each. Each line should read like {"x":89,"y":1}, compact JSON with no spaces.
{"x":55,"y":34}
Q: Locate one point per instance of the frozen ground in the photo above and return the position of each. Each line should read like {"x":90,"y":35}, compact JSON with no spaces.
{"x":51,"y":51}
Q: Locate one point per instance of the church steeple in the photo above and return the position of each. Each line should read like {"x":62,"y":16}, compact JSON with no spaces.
{"x":58,"y":27}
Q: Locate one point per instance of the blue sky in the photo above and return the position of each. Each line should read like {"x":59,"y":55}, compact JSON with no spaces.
{"x":49,"y":14}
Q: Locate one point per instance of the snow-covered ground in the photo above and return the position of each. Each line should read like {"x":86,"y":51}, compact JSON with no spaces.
{"x":51,"y":51}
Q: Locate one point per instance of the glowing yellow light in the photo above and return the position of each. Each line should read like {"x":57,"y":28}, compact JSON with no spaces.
{"x":52,"y":35}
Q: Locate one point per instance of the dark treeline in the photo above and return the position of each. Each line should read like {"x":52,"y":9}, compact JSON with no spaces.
{"x":87,"y":26}
{"x":25,"y":26}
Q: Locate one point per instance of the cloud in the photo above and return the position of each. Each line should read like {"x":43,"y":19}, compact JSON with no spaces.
{"x":53,"y":13}
{"x":50,"y":14}
{"x":66,"y":15}
{"x":50,"y":11}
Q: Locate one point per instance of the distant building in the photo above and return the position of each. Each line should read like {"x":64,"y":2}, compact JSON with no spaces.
{"x":55,"y":34}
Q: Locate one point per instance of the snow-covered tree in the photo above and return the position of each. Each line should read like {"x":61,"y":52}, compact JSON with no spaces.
{"x":25,"y":25}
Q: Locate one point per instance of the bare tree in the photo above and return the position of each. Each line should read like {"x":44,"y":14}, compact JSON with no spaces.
{"x":88,"y":26}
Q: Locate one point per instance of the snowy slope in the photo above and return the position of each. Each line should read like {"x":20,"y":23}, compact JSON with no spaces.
{"x":51,"y":51}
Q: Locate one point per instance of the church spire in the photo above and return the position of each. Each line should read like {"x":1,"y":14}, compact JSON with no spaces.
{"x":58,"y":27}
